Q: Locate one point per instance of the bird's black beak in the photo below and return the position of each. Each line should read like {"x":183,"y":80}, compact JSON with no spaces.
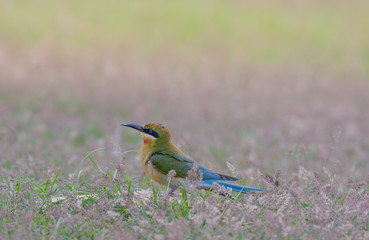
{"x":134,"y":126}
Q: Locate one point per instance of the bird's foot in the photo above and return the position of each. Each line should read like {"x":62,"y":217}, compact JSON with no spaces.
{"x":170,"y":193}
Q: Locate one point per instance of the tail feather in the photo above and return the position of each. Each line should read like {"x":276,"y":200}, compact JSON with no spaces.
{"x":207,"y":184}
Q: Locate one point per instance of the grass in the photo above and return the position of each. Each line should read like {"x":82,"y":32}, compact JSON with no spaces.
{"x":107,"y":206}
{"x":274,"y":93}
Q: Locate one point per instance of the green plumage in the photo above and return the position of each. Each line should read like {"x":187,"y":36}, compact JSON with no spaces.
{"x":166,"y":161}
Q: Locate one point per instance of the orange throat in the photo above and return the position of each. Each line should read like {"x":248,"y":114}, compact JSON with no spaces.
{"x":147,"y":140}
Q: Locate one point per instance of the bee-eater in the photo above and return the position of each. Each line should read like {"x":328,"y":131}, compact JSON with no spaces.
{"x":159,"y":155}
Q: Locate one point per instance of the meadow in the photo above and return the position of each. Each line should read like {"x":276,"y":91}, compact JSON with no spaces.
{"x":275,"y":93}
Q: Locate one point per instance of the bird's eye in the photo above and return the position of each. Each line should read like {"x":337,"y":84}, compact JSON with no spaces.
{"x":151,"y":132}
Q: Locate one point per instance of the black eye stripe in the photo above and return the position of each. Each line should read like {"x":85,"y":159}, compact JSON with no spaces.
{"x":151,"y":132}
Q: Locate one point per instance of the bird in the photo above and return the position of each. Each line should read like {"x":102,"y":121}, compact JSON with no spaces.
{"x":159,"y":156}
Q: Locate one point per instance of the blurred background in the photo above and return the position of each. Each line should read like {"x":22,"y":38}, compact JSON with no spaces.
{"x":264,"y":85}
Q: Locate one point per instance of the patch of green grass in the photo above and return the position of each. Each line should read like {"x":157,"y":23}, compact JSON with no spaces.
{"x":95,"y":131}
{"x":79,"y":140}
{"x":7,"y":165}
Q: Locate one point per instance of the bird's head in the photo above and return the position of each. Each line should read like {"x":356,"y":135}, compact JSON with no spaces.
{"x":152,"y":132}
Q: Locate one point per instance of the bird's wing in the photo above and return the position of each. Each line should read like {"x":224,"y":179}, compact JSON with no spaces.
{"x":165,"y":162}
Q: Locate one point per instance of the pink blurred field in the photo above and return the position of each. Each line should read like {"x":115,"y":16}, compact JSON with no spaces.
{"x":219,"y":110}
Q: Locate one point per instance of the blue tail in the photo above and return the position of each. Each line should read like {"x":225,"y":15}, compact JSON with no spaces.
{"x":207,"y":184}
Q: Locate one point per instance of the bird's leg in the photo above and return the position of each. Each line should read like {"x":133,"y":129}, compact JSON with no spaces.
{"x":221,"y":191}
{"x":226,"y":194}
{"x":170,"y":193}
